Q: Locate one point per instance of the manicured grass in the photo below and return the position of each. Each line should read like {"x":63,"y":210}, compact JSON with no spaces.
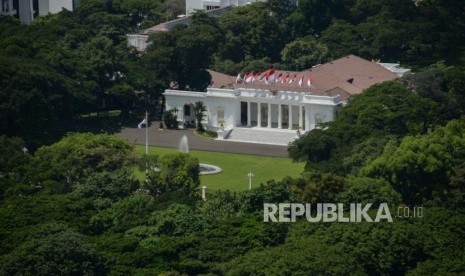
{"x":235,"y":168}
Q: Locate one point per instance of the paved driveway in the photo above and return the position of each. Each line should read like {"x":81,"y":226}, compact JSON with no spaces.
{"x":170,"y":139}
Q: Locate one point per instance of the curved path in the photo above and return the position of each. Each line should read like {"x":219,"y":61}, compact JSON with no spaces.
{"x":170,"y":139}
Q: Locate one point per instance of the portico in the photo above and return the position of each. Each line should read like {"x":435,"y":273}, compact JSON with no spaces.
{"x":255,"y":108}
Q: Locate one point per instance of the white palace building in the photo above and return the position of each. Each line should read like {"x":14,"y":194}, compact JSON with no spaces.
{"x":273,"y":111}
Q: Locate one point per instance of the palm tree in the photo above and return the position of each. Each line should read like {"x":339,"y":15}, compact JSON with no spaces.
{"x":199,"y":109}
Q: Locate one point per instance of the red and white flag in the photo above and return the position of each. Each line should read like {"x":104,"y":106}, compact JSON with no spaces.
{"x":257,"y":76}
{"x":279,"y":78}
{"x":285,"y":78}
{"x":264,"y":76}
{"x":144,"y":122}
{"x":249,"y":77}
{"x":309,"y":81}
{"x":291,"y":80}
{"x":271,"y":75}
{"x":301,"y":81}
{"x":239,"y":78}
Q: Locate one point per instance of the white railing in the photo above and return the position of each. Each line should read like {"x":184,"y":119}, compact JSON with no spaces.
{"x":171,"y":92}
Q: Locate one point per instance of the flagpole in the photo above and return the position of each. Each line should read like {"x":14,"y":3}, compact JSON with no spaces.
{"x":146,"y":142}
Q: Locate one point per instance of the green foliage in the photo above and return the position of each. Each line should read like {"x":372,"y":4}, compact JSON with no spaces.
{"x":444,"y":85}
{"x":107,"y":185}
{"x":177,"y":172}
{"x":170,"y":119}
{"x":252,"y":201}
{"x":124,"y":214}
{"x":318,"y":187}
{"x":423,"y":168}
{"x":63,"y":253}
{"x":12,"y":157}
{"x":303,"y":54}
{"x":387,"y":109}
{"x":176,"y":220}
{"x":78,"y":155}
{"x":363,"y":153}
{"x":199,"y":113}
{"x":207,"y":133}
{"x":68,"y":64}
{"x":368,"y":190}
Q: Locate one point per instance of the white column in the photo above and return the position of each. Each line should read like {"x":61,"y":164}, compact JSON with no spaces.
{"x":290,"y":116}
{"x":259,"y":115}
{"x":269,"y":115}
{"x":301,"y":121}
{"x":280,"y":120}
{"x":248,"y":115}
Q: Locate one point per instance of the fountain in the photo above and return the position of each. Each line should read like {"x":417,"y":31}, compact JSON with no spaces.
{"x":183,"y":145}
{"x":203,"y":168}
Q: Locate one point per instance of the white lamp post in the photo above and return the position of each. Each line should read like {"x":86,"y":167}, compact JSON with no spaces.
{"x":250,"y":175}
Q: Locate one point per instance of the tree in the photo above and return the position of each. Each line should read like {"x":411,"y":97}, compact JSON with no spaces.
{"x":63,"y":253}
{"x":122,"y":215}
{"x":303,"y":53}
{"x":77,"y":156}
{"x":13,"y":159}
{"x":199,"y":113}
{"x":422,"y":167}
{"x":368,"y":190}
{"x":177,"y":172}
{"x":170,"y":119}
{"x":107,"y":185}
{"x":444,"y":85}
{"x":388,"y":109}
{"x":317,"y":187}
{"x":176,"y":220}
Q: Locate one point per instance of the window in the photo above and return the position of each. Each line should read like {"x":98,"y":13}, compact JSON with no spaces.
{"x":209,"y":8}
{"x":187,"y":110}
{"x":319,"y":119}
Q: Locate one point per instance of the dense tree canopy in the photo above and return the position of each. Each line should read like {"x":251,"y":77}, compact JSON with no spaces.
{"x":74,"y":207}
{"x":382,"y":110}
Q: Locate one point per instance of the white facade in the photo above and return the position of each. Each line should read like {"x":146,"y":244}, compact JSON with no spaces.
{"x":396,"y":68}
{"x":207,"y":5}
{"x":27,"y":10}
{"x":139,"y":41}
{"x":7,"y":8}
{"x":254,"y":108}
{"x":54,"y":6}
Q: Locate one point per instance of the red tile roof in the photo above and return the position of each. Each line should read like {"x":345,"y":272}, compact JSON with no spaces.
{"x":346,"y":76}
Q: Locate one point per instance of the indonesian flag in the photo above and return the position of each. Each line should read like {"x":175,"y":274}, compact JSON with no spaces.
{"x":144,"y":122}
{"x":309,"y":81}
{"x":292,"y":79}
{"x":239,"y":78}
{"x":270,"y":76}
{"x":257,"y":76}
{"x":280,"y":77}
{"x":301,"y":81}
{"x":264,"y":76}
{"x":249,"y":77}
{"x":285,"y":78}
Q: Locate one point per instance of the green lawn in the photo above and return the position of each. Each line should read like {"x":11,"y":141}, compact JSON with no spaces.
{"x":235,"y":168}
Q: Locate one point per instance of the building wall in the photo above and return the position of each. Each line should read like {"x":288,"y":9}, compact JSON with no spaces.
{"x":54,"y":6}
{"x":7,"y":8}
{"x":138,"y":41}
{"x":193,"y":5}
{"x":224,"y":107}
{"x":26,"y":11}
